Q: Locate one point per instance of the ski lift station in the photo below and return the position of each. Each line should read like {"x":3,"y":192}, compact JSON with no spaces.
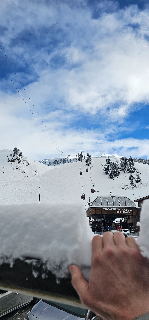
{"x":112,"y":207}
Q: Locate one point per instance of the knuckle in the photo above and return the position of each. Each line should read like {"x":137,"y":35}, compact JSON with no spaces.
{"x":136,"y":254}
{"x":109,"y":251}
{"x":123,"y":251}
{"x":96,"y":259}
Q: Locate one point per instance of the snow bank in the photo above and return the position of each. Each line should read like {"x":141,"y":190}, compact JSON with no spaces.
{"x":143,"y":239}
{"x":58,"y":234}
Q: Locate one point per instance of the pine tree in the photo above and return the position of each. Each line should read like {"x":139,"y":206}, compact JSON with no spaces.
{"x":16,"y":151}
{"x":123,"y":164}
{"x":111,"y":168}
{"x":137,"y":179}
{"x":88,"y":159}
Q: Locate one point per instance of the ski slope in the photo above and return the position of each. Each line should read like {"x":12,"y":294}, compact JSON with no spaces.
{"x":21,"y":183}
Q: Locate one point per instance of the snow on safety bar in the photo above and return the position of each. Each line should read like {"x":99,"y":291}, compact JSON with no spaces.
{"x":38,"y":243}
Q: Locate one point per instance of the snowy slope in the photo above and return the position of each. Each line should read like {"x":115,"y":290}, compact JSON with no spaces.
{"x":13,"y":175}
{"x":120,"y":186}
{"x":64,"y":183}
{"x":26,"y":167}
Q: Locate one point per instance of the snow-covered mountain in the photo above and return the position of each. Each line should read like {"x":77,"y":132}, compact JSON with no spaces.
{"x":22,"y":180}
{"x":57,"y":161}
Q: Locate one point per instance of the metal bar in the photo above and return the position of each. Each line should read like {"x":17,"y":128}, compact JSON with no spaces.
{"x":20,"y":279}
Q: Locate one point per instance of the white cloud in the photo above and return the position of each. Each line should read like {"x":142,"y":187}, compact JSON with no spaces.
{"x":112,"y":56}
{"x":105,"y":70}
{"x":38,"y":142}
{"x":126,"y":147}
{"x":113,"y":70}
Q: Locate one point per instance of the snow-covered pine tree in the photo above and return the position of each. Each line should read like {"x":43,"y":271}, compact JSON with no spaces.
{"x":137,"y":179}
{"x":111,"y":168}
{"x":123,"y":164}
{"x":130,"y":165}
{"x":88,"y":159}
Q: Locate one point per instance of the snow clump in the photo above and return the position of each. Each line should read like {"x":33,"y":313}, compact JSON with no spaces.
{"x":143,"y":239}
{"x":58,"y":234}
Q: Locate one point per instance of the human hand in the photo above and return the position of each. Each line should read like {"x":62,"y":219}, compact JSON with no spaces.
{"x":118,"y":286}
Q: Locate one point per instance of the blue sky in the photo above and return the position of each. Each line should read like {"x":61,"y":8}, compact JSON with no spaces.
{"x":74,"y":75}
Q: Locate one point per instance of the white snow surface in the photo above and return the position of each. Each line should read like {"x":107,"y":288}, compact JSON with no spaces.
{"x":58,"y":234}
{"x":143,"y":239}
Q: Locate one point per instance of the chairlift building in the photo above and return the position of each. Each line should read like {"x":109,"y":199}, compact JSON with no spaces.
{"x":111,"y":207}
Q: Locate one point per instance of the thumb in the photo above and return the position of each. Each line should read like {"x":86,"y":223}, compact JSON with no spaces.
{"x":79,"y":283}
